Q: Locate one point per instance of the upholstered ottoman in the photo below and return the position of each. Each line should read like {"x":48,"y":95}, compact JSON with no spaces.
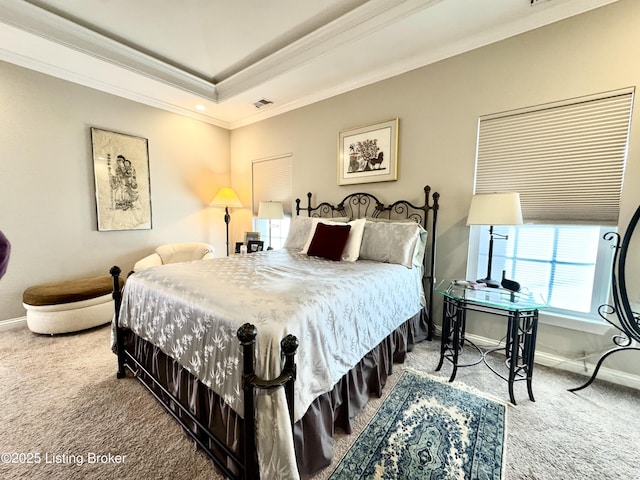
{"x":61,"y":307}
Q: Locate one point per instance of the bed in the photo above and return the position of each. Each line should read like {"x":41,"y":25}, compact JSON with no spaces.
{"x":215,"y":340}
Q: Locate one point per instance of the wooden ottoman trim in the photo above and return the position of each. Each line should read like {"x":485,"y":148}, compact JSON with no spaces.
{"x":69,"y":317}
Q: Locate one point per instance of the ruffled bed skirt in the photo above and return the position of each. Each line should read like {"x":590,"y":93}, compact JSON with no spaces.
{"x":313,"y":433}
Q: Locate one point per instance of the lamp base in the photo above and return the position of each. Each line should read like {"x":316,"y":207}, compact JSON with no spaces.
{"x":489,"y":282}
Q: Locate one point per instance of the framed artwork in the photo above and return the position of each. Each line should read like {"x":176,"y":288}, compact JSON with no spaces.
{"x":249,"y":236}
{"x":238,"y":245}
{"x":123,"y":188}
{"x":368,"y":154}
{"x":255,"y":246}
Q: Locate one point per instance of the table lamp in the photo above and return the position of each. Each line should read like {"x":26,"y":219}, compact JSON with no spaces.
{"x":494,"y":209}
{"x":226,"y":198}
{"x":270,"y":211}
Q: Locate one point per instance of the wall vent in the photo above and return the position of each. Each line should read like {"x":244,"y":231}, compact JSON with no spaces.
{"x":263,"y":102}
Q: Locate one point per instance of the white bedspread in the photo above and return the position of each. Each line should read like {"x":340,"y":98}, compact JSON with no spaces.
{"x":338,"y":310}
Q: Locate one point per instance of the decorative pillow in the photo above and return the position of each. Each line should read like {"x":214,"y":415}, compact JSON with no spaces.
{"x":352,"y":249}
{"x":300,"y":230}
{"x":329,"y":241}
{"x":418,"y":254}
{"x":393,"y":242}
{"x":391,"y":220}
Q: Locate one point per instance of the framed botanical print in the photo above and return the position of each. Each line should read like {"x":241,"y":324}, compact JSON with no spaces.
{"x":121,"y":171}
{"x":368,"y":154}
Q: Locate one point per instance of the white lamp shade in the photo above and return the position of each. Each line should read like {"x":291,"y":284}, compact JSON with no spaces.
{"x":226,"y":197}
{"x":495,"y":209}
{"x":270,"y":210}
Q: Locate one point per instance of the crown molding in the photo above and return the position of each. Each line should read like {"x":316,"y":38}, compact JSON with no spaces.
{"x":354,"y":25}
{"x":495,"y":34}
{"x":72,"y":75}
{"x":37,"y":21}
{"x":96,"y":61}
{"x":351,"y":26}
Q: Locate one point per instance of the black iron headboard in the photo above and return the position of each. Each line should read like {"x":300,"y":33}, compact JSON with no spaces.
{"x":362,"y":205}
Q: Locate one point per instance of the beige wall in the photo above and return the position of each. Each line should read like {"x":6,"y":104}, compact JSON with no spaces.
{"x":47,"y":206}
{"x":438,"y":107}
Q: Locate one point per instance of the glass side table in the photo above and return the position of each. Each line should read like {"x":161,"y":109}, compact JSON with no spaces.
{"x":521,"y":312}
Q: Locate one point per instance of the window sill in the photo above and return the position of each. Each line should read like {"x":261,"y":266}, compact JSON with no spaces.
{"x":596,"y":327}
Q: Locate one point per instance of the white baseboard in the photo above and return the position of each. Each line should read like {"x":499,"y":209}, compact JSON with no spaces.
{"x":13,"y":323}
{"x":573,"y":366}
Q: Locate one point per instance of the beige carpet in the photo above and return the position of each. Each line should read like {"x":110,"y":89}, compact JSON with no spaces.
{"x":60,"y":399}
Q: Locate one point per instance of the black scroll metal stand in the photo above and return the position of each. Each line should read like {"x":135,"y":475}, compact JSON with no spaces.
{"x":629,"y":320}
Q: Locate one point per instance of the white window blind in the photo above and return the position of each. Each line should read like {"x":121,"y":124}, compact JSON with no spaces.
{"x":566,"y":159}
{"x":273,"y":182}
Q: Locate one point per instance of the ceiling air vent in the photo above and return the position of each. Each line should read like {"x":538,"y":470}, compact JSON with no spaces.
{"x":263,"y":102}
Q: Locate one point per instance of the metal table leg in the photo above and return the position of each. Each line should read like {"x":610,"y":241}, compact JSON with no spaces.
{"x":512,"y":352}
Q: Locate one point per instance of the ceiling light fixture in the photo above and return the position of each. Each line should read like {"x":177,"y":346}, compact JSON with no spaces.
{"x":200,"y":107}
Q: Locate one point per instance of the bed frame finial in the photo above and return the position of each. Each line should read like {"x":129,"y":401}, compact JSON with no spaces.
{"x":247,"y":334}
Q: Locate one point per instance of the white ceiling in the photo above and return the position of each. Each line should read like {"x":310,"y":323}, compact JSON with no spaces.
{"x":227,"y":55}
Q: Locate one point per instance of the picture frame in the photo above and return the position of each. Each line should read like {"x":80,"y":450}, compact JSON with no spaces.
{"x":238,"y":245}
{"x":122,"y":181}
{"x":254,"y":246}
{"x":249,"y":236}
{"x":368,"y":154}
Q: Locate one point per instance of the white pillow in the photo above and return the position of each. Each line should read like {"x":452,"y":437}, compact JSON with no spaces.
{"x":352,"y":248}
{"x":401,"y":243}
{"x":299,"y":230}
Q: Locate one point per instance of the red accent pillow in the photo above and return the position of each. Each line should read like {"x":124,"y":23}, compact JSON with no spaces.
{"x":329,"y":241}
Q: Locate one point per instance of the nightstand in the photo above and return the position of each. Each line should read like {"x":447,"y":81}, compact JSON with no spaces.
{"x":520,"y":309}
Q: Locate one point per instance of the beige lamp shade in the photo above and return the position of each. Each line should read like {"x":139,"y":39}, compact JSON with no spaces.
{"x":226,"y":197}
{"x":270,"y":210}
{"x":495,"y":209}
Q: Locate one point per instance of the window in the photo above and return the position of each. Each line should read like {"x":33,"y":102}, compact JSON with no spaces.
{"x":569,"y":265}
{"x":273,"y":181}
{"x":567,"y":160}
{"x":275,"y":236}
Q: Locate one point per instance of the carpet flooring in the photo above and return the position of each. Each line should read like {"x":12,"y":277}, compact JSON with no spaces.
{"x":62,"y":402}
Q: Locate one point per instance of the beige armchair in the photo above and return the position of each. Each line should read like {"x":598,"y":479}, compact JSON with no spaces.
{"x":175,"y":253}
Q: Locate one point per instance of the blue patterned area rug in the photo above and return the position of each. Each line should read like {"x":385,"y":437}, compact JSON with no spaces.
{"x":429,"y":429}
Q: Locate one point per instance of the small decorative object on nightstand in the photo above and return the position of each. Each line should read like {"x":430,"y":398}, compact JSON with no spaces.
{"x":255,"y":246}
{"x":509,"y":284}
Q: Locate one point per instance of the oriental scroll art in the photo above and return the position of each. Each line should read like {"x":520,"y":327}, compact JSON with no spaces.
{"x":121,"y":169}
{"x":368,"y":154}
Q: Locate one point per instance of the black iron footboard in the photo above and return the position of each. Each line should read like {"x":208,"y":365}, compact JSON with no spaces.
{"x":246,"y":462}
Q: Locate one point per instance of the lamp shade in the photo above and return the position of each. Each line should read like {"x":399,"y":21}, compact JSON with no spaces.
{"x":495,"y":209}
{"x":226,"y":197}
{"x":270,"y":210}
